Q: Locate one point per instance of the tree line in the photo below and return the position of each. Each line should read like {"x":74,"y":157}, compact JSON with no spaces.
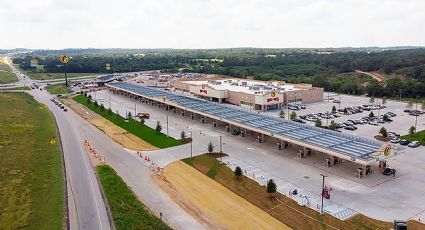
{"x":292,"y":65}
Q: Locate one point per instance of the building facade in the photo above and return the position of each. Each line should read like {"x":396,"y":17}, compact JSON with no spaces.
{"x":255,"y":95}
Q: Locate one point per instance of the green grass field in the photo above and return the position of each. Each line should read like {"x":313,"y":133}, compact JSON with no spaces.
{"x":127,"y":211}
{"x":50,"y":76}
{"x":144,"y":132}
{"x":6,"y":77}
{"x":419,"y":136}
{"x":57,"y":89}
{"x":31,"y":173}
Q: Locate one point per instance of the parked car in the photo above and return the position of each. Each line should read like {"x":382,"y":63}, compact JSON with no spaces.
{"x":389,"y":171}
{"x":395,"y":140}
{"x":414,"y":144}
{"x":350,"y":127}
{"x":65,"y":109}
{"x":404,"y":142}
{"x":373,"y":123}
{"x":299,"y":120}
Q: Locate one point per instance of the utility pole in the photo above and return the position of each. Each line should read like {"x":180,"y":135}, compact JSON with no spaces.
{"x":323,"y":192}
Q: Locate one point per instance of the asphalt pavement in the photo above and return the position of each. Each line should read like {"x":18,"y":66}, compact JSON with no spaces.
{"x":86,"y":207}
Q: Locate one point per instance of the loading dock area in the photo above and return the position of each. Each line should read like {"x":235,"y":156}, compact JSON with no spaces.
{"x":308,"y":139}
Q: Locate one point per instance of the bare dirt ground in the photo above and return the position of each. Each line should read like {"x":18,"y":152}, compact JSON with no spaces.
{"x":222,"y":205}
{"x":186,"y":204}
{"x":119,"y":135}
{"x":375,"y":75}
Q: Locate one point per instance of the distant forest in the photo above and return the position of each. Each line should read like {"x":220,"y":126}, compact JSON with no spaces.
{"x":333,"y":69}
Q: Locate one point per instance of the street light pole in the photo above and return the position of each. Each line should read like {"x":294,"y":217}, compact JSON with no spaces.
{"x":221,"y":149}
{"x":416,"y":115}
{"x":323,"y":192}
{"x":191,"y":145}
{"x":167,"y":127}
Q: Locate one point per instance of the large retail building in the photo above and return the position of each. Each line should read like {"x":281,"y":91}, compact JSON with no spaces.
{"x":256,"y":95}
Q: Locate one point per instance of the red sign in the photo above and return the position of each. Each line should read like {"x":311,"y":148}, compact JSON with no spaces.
{"x":272,"y":99}
{"x":203,"y":91}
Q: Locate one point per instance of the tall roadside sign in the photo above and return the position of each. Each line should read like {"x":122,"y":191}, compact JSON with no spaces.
{"x":65,"y":59}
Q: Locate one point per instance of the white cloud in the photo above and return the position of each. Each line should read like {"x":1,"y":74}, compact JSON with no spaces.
{"x":210,"y":23}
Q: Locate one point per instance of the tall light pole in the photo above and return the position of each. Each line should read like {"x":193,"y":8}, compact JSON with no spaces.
{"x":416,"y":114}
{"x":167,"y":127}
{"x":323,"y":192}
{"x":191,"y":145}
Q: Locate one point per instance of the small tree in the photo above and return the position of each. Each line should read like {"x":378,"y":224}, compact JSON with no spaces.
{"x":372,"y":100}
{"x":385,"y":117}
{"x":345,"y":110}
{"x":383,"y":132}
{"x":129,"y":114}
{"x":210,"y":147}
{"x":371,"y":114}
{"x":282,"y":114}
{"x":183,"y":135}
{"x":110,"y":111}
{"x":89,"y":96}
{"x":293,"y":115}
{"x":142,"y":120}
{"x":384,"y":100}
{"x":271,"y":187}
{"x":412,"y":130}
{"x":95,"y":104}
{"x":158,"y":127}
{"x":238,"y":172}
{"x":332,"y":126}
{"x":318,"y":123}
{"x":102,"y":107}
{"x":334,"y":109}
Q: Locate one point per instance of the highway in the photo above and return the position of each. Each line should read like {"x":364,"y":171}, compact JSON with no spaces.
{"x":86,"y":207}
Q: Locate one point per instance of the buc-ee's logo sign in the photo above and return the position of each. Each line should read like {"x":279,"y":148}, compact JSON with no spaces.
{"x":203,"y":90}
{"x":273,"y":97}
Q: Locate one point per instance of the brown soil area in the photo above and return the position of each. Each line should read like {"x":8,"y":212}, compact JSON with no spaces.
{"x":119,"y":135}
{"x":232,"y":211}
{"x":283,"y":208}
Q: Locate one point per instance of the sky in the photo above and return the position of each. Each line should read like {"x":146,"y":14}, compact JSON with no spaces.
{"x":57,"y":24}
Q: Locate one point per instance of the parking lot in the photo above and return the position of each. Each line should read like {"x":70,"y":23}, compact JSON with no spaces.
{"x":400,"y":124}
{"x":373,"y":195}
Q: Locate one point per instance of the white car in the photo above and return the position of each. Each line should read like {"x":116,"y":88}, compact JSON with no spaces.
{"x":414,"y":144}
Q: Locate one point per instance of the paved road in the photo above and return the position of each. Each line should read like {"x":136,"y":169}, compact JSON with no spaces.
{"x":377,"y":196}
{"x":87,"y":210}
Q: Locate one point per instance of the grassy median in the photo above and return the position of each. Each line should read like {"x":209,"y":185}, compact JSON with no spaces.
{"x":31,"y":172}
{"x":144,"y":132}
{"x":57,"y":89}
{"x":288,"y":212}
{"x":7,"y":77}
{"x":419,"y":136}
{"x":18,"y":88}
{"x":127,"y":211}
